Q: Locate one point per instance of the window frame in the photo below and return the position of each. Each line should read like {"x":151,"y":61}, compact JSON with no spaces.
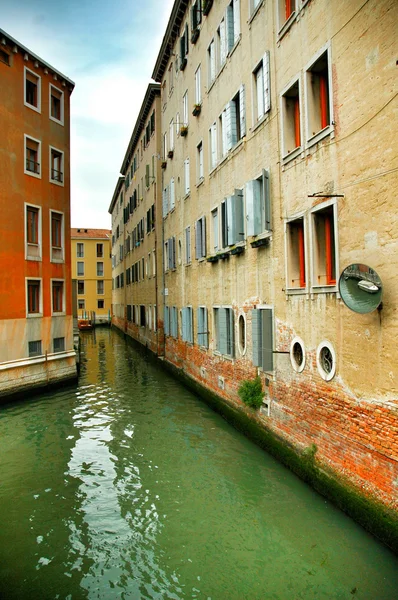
{"x":324,"y":287}
{"x":303,"y":260}
{"x":199,"y":163}
{"x":77,"y":251}
{"x":100,"y":262}
{"x":273,"y":332}
{"x":311,"y":139}
{"x":62,"y":107}
{"x":288,"y":154}
{"x":230,"y":343}
{"x":50,"y":168}
{"x":60,"y":248}
{"x":79,"y":262}
{"x":38,"y":162}
{"x":30,"y":315}
{"x":32,"y":106}
{"x":62,"y":312}
{"x":39,"y":245}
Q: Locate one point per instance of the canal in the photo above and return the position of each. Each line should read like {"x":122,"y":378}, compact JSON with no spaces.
{"x":127,"y":486}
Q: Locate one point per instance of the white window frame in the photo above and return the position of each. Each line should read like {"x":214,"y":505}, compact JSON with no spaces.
{"x":198,"y":90}
{"x":39,"y":232}
{"x":213,"y":139}
{"x":63,"y":312}
{"x":31,"y":173}
{"x":77,"y":268}
{"x":31,"y":106}
{"x":62,"y":259}
{"x":40,"y":313}
{"x":61,"y":120}
{"x":185,"y":109}
{"x":283,"y":23}
{"x":272,"y":308}
{"x":287,"y":156}
{"x":200,"y":165}
{"x":187,"y":188}
{"x":316,"y":288}
{"x":60,"y":183}
{"x":211,"y":62}
{"x":103,"y":282}
{"x":311,"y":139}
{"x":291,"y":219}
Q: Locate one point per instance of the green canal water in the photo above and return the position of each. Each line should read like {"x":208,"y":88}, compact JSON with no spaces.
{"x":127,"y":486}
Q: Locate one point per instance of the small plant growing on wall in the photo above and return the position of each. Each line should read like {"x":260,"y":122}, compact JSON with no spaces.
{"x":251,"y":392}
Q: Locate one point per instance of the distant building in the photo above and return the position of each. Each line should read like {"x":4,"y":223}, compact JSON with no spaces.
{"x":36,"y":337}
{"x":92,"y":269}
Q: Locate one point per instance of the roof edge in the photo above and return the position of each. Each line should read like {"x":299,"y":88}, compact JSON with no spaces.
{"x":173,"y":26}
{"x":116,"y":193}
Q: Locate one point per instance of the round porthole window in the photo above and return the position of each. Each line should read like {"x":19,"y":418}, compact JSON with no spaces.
{"x":242,"y":334}
{"x":326,"y":360}
{"x":297,"y":354}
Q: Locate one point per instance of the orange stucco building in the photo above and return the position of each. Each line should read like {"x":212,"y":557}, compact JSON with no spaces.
{"x":36,"y":329}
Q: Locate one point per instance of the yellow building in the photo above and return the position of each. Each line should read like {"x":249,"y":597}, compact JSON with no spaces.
{"x":92,"y":268}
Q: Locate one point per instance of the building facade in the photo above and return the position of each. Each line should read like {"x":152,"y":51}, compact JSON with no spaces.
{"x":282,"y":173}
{"x":36,"y":329}
{"x":92,"y":270}
{"x":136,"y":229}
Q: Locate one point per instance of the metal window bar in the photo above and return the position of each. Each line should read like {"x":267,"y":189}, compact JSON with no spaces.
{"x":32,"y":166}
{"x":57,"y":175}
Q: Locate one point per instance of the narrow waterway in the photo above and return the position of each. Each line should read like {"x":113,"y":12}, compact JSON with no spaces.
{"x":128,"y":486}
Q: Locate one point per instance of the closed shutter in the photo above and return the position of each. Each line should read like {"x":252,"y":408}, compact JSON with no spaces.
{"x":174,"y":252}
{"x":242,"y":110}
{"x":235,"y":226}
{"x":166,"y":320}
{"x":203,"y":228}
{"x":213,"y":137}
{"x":164,"y":202}
{"x":184,"y":324}
{"x":147,"y":175}
{"x":205,"y":329}
{"x":256,"y":338}
{"x":260,"y":91}
{"x":267,"y":82}
{"x":198,"y":239}
{"x":230,"y":332}
{"x":225,"y":132}
{"x":232,"y":132}
{"x":186,"y":173}
{"x":199,"y":319}
{"x":223,"y":330}
{"x":230,"y":27}
{"x":267,"y":339}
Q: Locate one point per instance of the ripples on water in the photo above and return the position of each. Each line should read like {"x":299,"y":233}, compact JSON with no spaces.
{"x":129,"y":487}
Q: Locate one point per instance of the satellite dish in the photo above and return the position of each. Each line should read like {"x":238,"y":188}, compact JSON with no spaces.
{"x":360,"y":288}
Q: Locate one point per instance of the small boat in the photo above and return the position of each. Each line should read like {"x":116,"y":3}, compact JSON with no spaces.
{"x":368,"y":286}
{"x":84,"y":324}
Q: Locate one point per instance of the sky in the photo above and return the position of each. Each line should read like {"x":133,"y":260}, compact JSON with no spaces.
{"x":109,"y":49}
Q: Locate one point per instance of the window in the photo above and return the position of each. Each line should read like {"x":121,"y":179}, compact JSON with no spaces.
{"x":242,"y":334}
{"x":80,"y":268}
{"x":185,"y":109}
{"x":232,"y":220}
{"x":59,"y":344}
{"x":200,"y":162}
{"x":324,"y":245}
{"x":166,"y":320}
{"x":253,"y":5}
{"x":221,"y":44}
{"x":200,"y":238}
{"x":286,"y":8}
{"x":198,"y":92}
{"x":262,"y":338}
{"x":224,"y":331}
{"x":57,"y":237}
{"x":170,"y":253}
{"x":215,"y":229}
{"x":142,"y":322}
{"x":295,"y":253}
{"x":203,"y":334}
{"x":32,"y":156}
{"x":291,"y":125}
{"x":100,"y":250}
{"x":33,"y":232}
{"x":184,"y":47}
{"x":196,"y":16}
{"x":326,"y":360}
{"x":258,"y":205}
{"x":213,"y":146}
{"x":58,"y":296}
{"x":81,"y":304}
{"x":233,"y":23}
{"x":56,"y":104}
{"x":100,"y":286}
{"x":187,"y":245}
{"x":187,"y":324}
{"x":80,"y":250}
{"x":4,"y":57}
{"x":174,"y":321}
{"x":100,"y":269}
{"x":262,"y":97}
{"x":233,"y":121}
{"x":34,"y":348}
{"x":34,"y":296}
{"x":211,"y":62}
{"x":101,"y":304}
{"x":32,"y":90}
{"x":186,"y":177}
{"x":319,"y":106}
{"x":80,"y":287}
{"x":56,"y":166}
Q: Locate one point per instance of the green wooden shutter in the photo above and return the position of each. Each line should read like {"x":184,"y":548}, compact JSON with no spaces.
{"x":230,"y":332}
{"x":166,"y":321}
{"x":205,"y":329}
{"x":267,"y":339}
{"x":266,"y":201}
{"x":257,"y":338}
{"x":203,"y":221}
{"x":199,"y":319}
{"x":223,"y":330}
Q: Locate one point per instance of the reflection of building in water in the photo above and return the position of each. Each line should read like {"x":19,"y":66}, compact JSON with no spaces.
{"x":277,"y":172}
{"x":362,"y":272}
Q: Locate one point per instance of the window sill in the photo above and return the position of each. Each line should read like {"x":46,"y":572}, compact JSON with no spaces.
{"x":34,"y":315}
{"x":32,"y":174}
{"x":292,"y":155}
{"x":33,"y":107}
{"x":255,"y":11}
{"x":224,"y":356}
{"x":58,"y":314}
{"x":200,"y":182}
{"x":320,"y":136}
{"x":286,"y":26}
{"x":56,"y":121}
{"x":296,"y":291}
{"x":201,"y":259}
{"x":324,"y":289}
{"x":34,"y":258}
{"x":234,"y":47}
{"x":186,"y":196}
{"x":260,"y":122}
